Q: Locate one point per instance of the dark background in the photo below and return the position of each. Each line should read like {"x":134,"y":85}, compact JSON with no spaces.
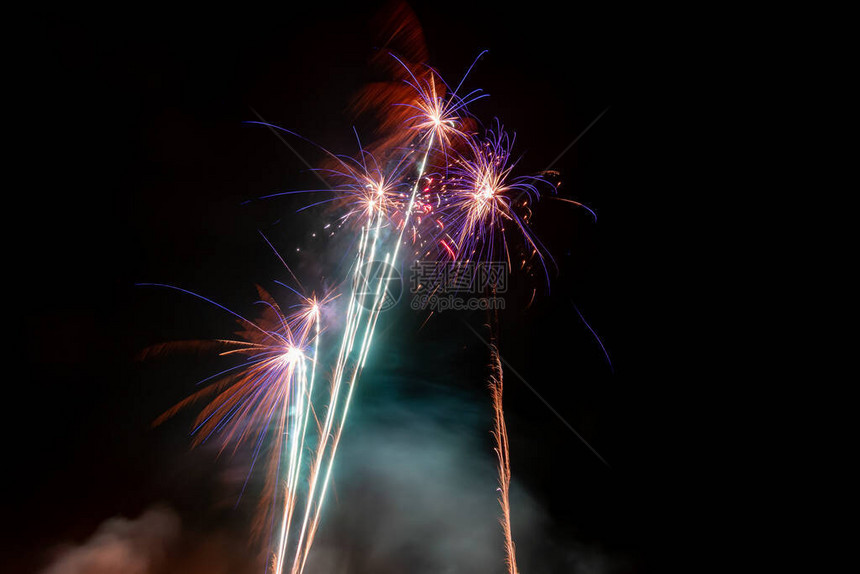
{"x":140,"y":164}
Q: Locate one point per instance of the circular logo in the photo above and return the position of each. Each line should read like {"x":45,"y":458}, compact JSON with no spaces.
{"x":380,"y":285}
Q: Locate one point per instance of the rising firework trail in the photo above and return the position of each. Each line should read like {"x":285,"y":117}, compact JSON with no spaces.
{"x":500,"y":434}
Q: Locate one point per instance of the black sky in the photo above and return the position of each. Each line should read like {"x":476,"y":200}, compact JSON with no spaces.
{"x":140,"y":164}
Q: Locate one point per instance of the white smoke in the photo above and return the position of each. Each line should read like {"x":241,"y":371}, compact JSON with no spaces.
{"x":136,"y":546}
{"x":156,"y":543}
{"x":415,"y":491}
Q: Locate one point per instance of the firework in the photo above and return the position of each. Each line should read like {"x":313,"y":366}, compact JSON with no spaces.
{"x":500,"y":434}
{"x":443,"y":192}
{"x":268,"y":394}
{"x":435,"y":123}
{"x":483,"y":198}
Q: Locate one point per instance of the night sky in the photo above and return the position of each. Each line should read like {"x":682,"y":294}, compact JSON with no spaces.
{"x":142,"y":164}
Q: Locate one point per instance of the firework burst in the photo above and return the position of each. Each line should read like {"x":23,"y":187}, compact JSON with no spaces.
{"x":265,"y":401}
{"x":482,"y":200}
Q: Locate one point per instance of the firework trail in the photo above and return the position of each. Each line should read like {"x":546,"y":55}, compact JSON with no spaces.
{"x":435,"y":121}
{"x":500,"y":434}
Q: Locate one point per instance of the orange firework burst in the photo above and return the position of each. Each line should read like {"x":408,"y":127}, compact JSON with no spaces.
{"x":269,"y":390}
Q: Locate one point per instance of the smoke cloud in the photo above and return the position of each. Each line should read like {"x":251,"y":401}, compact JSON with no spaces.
{"x":415,"y":492}
{"x":138,"y":546}
{"x":154,"y":543}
